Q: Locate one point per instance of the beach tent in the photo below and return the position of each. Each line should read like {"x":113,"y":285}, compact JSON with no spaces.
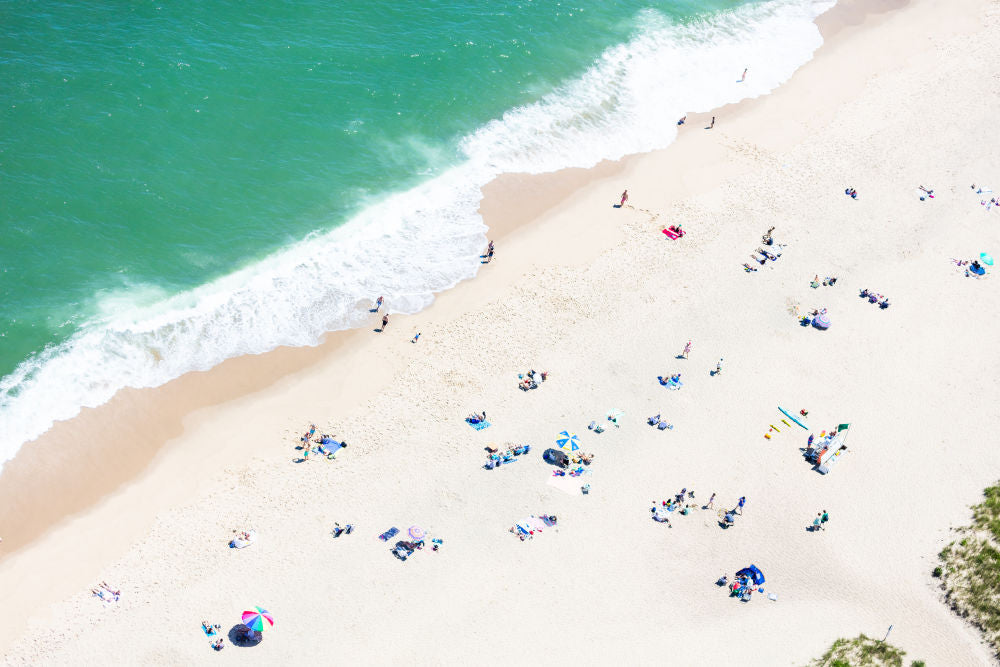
{"x":752,"y":573}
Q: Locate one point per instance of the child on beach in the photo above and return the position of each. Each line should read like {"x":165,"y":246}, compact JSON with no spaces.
{"x":687,"y":350}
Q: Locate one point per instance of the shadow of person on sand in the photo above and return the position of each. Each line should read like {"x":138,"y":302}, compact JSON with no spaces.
{"x":241,"y":635}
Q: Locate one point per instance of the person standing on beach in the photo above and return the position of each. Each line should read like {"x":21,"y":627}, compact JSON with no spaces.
{"x":385,"y":322}
{"x":378,"y":304}
{"x":687,"y":350}
{"x":713,"y":123}
{"x":823,"y":519}
{"x":718,"y":367}
{"x":744,"y":77}
{"x":711,"y":502}
{"x":740,"y":504}
{"x":816,"y":522}
{"x":624,"y":199}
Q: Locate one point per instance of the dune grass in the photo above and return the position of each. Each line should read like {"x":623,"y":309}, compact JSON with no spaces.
{"x":970,"y":569}
{"x":863,"y":651}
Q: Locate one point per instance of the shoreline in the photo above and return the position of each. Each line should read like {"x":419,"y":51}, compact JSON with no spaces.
{"x":529,"y":214}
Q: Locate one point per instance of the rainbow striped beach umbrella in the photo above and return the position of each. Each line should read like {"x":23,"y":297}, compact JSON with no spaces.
{"x":255,"y":619}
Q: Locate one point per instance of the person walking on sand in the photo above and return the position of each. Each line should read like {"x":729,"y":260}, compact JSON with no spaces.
{"x":416,"y":338}
{"x":744,"y":77}
{"x":718,"y":367}
{"x":711,"y":502}
{"x":740,"y":504}
{"x":385,"y":322}
{"x":816,"y":522}
{"x":624,"y":199}
{"x":687,"y":350}
{"x":378,"y":304}
{"x":823,"y":519}
{"x":712,"y":124}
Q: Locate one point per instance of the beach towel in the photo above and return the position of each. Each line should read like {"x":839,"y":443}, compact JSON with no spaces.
{"x":566,"y":484}
{"x":479,"y":426}
{"x":671,"y":384}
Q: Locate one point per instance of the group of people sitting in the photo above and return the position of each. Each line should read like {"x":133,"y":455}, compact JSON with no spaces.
{"x":769,"y":251}
{"x":827,"y":282}
{"x":325,"y":444}
{"x":973,"y":267}
{"x":339,"y":530}
{"x":659,"y":423}
{"x":106,"y":593}
{"x":741,"y":587}
{"x":243,"y":539}
{"x":679,"y":503}
{"x":882,"y":301}
{"x":211,"y":631}
{"x":496,"y":458}
{"x":851,"y":192}
{"x":807,"y":319}
{"x":671,"y":382}
{"x":527,"y":380}
{"x":404,"y":548}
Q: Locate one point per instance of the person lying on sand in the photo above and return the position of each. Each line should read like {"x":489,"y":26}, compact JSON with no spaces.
{"x":105,"y":586}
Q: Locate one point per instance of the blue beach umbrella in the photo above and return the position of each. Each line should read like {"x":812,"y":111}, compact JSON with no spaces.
{"x":568,"y":441}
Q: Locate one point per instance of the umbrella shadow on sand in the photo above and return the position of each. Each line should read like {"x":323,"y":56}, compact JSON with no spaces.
{"x":241,"y":635}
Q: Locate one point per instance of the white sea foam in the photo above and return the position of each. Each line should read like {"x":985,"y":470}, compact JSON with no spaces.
{"x":425,"y":240}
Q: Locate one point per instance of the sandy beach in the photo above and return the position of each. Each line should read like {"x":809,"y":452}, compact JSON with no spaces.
{"x":900,"y":95}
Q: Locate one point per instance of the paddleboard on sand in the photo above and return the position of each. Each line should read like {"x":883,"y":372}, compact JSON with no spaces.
{"x":792,"y":417}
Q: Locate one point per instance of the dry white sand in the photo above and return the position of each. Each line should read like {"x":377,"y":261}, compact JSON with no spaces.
{"x":604,"y":302}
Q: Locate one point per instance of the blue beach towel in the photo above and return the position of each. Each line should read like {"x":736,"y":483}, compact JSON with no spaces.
{"x":479,"y":426}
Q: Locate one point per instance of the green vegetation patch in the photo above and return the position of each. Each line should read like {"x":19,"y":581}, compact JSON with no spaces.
{"x":862,"y":651}
{"x":970,"y":569}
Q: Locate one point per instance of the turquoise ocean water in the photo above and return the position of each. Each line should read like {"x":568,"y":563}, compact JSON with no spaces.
{"x":185,"y":182}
